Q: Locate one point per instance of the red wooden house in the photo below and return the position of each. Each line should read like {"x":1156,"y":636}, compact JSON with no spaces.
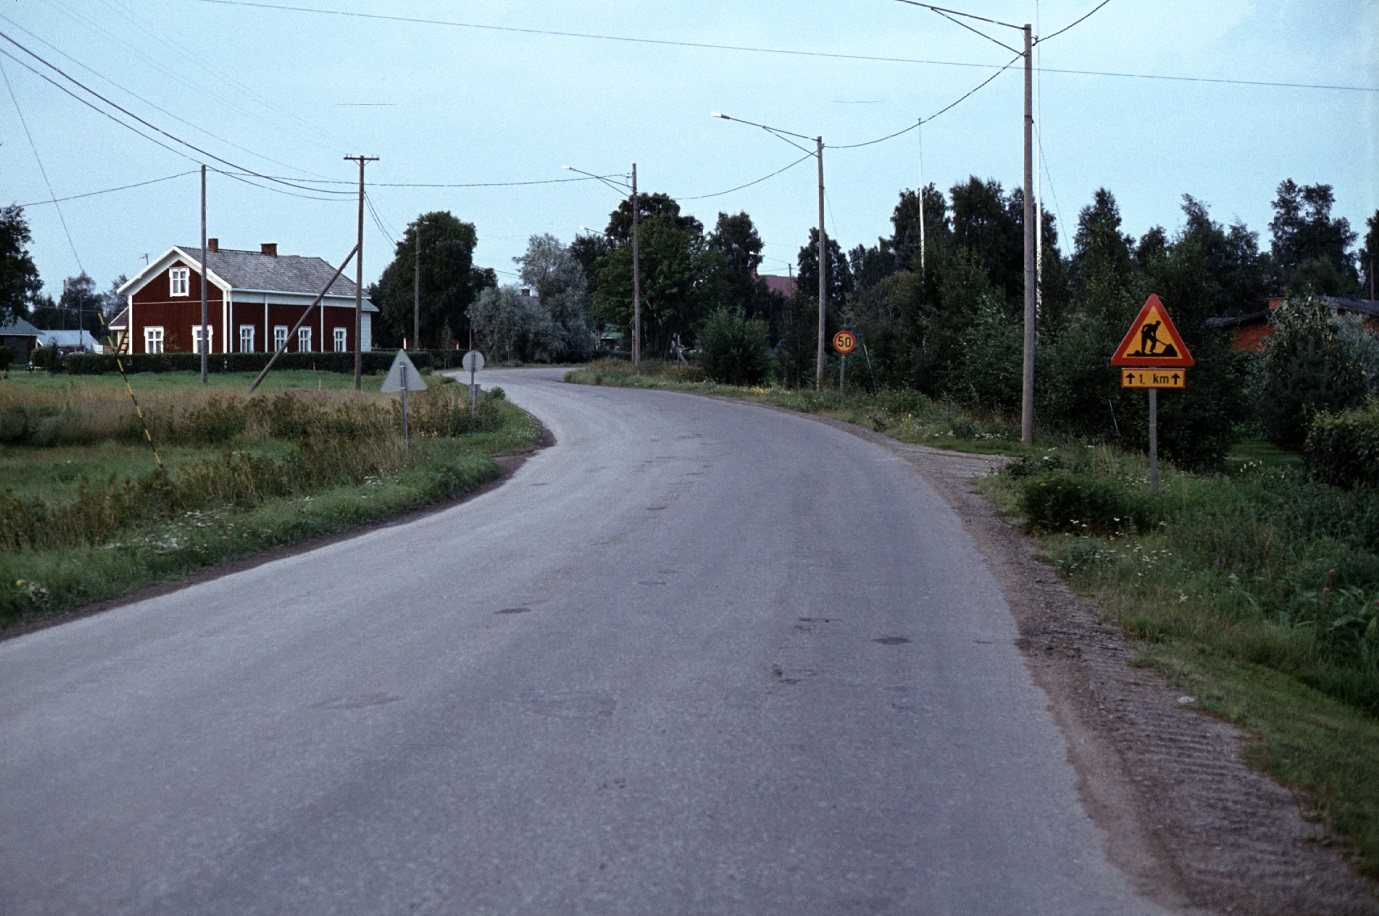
{"x":1248,"y":332}
{"x":254,"y":298}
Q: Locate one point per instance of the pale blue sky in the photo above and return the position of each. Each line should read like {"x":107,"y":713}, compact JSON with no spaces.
{"x":280,"y":90}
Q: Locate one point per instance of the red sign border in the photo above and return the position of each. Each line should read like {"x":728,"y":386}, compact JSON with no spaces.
{"x":1153,"y":362}
{"x":839,"y":350}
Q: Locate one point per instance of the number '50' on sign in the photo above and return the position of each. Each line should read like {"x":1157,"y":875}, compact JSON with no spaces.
{"x":844,"y":342}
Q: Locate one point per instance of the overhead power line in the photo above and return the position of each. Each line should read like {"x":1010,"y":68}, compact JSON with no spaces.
{"x":124,"y":187}
{"x":153,"y":127}
{"x":789,"y":52}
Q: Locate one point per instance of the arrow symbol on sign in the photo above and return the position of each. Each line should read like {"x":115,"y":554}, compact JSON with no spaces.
{"x":1175,"y":378}
{"x":1129,"y":378}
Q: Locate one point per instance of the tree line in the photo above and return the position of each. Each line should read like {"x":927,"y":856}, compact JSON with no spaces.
{"x":945,"y":321}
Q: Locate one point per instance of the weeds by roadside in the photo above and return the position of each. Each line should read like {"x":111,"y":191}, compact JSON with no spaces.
{"x":85,"y":515}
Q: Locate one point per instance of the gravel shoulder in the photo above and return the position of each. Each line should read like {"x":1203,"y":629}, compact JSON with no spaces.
{"x":1196,"y":828}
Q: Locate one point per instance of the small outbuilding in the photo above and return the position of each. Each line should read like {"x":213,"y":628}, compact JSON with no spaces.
{"x":20,"y":338}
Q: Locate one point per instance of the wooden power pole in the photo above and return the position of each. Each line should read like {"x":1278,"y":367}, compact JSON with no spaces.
{"x":359,"y":280}
{"x":1027,"y":385}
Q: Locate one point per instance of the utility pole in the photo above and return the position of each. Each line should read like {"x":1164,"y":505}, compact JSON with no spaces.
{"x":636,"y":284}
{"x":921,"y":195}
{"x":205,"y":348}
{"x":1027,"y":388}
{"x":416,"y":292}
{"x":823,"y":271}
{"x":359,"y":280}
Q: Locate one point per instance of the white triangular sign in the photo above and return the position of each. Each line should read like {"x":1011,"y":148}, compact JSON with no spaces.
{"x":393,"y":382}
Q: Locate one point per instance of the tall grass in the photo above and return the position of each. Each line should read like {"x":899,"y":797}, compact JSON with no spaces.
{"x":80,"y":485}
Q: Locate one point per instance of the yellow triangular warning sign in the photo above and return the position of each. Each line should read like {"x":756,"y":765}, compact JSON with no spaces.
{"x":1153,"y":341}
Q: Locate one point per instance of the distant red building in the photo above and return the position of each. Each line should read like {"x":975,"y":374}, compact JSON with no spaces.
{"x":254,"y":298}
{"x":1250,"y":331}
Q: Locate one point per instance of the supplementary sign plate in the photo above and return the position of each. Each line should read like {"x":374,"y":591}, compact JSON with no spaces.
{"x":1153,"y":378}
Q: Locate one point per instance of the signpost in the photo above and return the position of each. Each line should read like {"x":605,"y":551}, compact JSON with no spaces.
{"x":1153,"y":356}
{"x":472,"y":362}
{"x":401,"y":375}
{"x":844,"y":342}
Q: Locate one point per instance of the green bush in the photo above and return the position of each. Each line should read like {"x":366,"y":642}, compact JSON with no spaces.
{"x":1308,"y":366}
{"x":342,"y":363}
{"x":47,"y":358}
{"x":1342,"y":449}
{"x":1065,"y":501}
{"x":733,"y":348}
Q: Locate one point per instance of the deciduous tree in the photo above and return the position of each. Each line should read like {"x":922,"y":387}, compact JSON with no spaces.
{"x":19,"y":281}
{"x":558,"y":280}
{"x":449,"y":281}
{"x":1310,"y":247}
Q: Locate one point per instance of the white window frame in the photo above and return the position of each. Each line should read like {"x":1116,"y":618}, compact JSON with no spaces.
{"x":279,"y":337}
{"x":304,"y":339}
{"x":179,"y":281}
{"x":196,"y":339}
{"x":246,"y":338}
{"x":153,"y":338}
{"x":341,"y":336}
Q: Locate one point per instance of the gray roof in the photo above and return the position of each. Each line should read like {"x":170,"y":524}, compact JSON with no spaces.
{"x":284,"y":273}
{"x":1368,"y":307}
{"x":18,"y":328}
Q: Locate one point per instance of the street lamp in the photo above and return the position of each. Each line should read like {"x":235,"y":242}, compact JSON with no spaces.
{"x":636,"y":262}
{"x":823,"y":235}
{"x":1031,"y":218}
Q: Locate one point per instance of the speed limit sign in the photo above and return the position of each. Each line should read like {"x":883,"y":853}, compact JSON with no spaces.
{"x":844,"y":342}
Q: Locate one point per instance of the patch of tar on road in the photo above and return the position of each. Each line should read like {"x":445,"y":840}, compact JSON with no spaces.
{"x":357,"y":701}
{"x":891,"y":640}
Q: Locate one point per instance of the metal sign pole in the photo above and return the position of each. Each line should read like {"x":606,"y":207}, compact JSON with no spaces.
{"x":405,"y":444}
{"x":842,"y":368}
{"x":1153,"y":440}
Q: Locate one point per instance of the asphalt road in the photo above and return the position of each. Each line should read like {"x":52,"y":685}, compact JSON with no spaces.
{"x":699,"y":657}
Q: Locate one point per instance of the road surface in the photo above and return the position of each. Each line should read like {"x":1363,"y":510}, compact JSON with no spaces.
{"x":699,"y":657}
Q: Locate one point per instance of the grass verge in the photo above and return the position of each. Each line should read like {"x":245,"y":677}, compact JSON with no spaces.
{"x":86,"y":516}
{"x":904,"y":415}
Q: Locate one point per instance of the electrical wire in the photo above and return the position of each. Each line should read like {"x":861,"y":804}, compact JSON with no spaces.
{"x":378,"y":220}
{"x":152,"y":126}
{"x":125,"y":187}
{"x":279,"y":114}
{"x":95,"y":108}
{"x":627,"y":39}
{"x":39,"y":159}
{"x":750,"y":183}
{"x":131,"y":92}
{"x":1074,"y":22}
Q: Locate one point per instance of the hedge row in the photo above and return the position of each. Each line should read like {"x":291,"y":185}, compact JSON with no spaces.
{"x":1342,"y":449}
{"x":373,"y":361}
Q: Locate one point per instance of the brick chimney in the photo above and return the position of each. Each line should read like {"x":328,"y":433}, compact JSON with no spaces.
{"x":212,"y":244}
{"x":270,"y":249}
